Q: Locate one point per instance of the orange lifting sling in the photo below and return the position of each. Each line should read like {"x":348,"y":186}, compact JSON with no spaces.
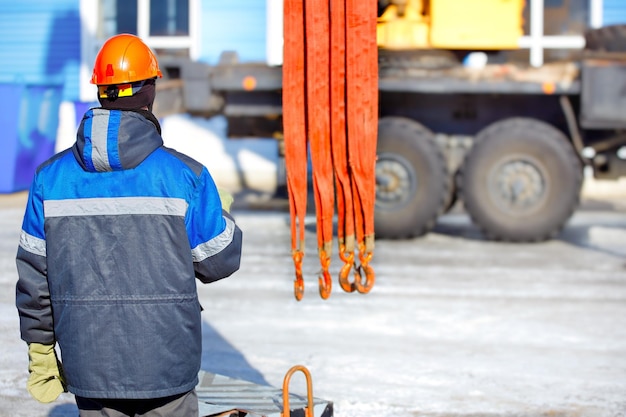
{"x":294,"y":130}
{"x":330,"y":105}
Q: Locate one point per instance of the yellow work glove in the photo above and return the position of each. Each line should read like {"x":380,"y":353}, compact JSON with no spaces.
{"x":227,"y":199}
{"x":46,"y":381}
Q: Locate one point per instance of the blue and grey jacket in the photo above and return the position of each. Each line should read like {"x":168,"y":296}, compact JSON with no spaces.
{"x":115,"y":232}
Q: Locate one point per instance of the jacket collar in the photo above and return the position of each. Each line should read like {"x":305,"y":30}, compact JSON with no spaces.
{"x":113,"y":140}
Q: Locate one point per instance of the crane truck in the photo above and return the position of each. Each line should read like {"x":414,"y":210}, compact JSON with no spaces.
{"x":508,"y":139}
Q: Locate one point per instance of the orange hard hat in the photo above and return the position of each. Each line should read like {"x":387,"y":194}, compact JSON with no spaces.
{"x":124,"y":59}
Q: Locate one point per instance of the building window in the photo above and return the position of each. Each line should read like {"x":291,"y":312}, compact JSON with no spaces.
{"x":117,"y":16}
{"x":169,"y":27}
{"x":169,"y":18}
{"x":165,"y":25}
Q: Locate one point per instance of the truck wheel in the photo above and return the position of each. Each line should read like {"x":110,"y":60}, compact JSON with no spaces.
{"x":521,"y":181}
{"x":411,"y":179}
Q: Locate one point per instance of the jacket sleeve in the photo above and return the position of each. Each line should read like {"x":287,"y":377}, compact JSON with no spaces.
{"x":214,"y":236}
{"x":32,"y":294}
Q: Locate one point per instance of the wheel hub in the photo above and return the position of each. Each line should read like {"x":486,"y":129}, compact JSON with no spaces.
{"x":518,"y":185}
{"x":395,"y":180}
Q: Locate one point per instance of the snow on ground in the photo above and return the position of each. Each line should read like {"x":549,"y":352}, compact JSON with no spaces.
{"x":237,"y":164}
{"x":455,"y":325}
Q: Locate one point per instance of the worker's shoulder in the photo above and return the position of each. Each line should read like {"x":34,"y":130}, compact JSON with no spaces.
{"x":191,"y":163}
{"x":55,"y":159}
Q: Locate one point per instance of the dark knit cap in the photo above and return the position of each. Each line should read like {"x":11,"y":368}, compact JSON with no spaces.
{"x":142,"y":98}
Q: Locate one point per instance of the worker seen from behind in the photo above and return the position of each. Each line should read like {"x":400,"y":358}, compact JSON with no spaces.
{"x":116,"y":230}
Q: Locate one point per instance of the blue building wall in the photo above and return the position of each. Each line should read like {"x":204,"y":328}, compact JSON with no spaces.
{"x":39,"y":67}
{"x":40,"y":39}
{"x":614,"y":12}
{"x":233,"y":25}
{"x":40,"y":43}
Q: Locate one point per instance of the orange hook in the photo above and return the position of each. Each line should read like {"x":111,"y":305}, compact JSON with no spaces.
{"x":325,"y":280}
{"x":298,"y":284}
{"x":308,"y":411}
{"x":370,"y":276}
{"x":298,"y":287}
{"x":348,"y":260}
{"x":326,"y":285}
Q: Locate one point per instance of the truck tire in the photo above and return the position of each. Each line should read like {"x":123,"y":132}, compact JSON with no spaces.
{"x":608,"y":38}
{"x":521,"y":181}
{"x":411,"y":179}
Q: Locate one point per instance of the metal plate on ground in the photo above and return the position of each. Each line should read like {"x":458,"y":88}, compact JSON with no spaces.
{"x":221,"y":396}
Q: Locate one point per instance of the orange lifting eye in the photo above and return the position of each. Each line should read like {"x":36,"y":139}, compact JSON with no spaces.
{"x":308,"y":411}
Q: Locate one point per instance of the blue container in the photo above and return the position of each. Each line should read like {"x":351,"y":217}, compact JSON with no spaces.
{"x":29,"y":118}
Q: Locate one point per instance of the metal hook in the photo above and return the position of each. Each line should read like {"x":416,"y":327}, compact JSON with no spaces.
{"x":298,"y":284}
{"x":348,"y":260}
{"x":370,"y":276}
{"x":298,"y":287}
{"x":326,"y":284}
{"x":325,"y":280}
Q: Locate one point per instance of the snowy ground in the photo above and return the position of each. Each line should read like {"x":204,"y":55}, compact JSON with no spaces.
{"x":455,"y":326}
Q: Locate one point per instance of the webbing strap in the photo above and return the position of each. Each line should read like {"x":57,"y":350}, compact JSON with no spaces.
{"x":330,"y":99}
{"x":345,"y":206}
{"x":362,"y":111}
{"x":317,"y":26}
{"x":294,"y":130}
